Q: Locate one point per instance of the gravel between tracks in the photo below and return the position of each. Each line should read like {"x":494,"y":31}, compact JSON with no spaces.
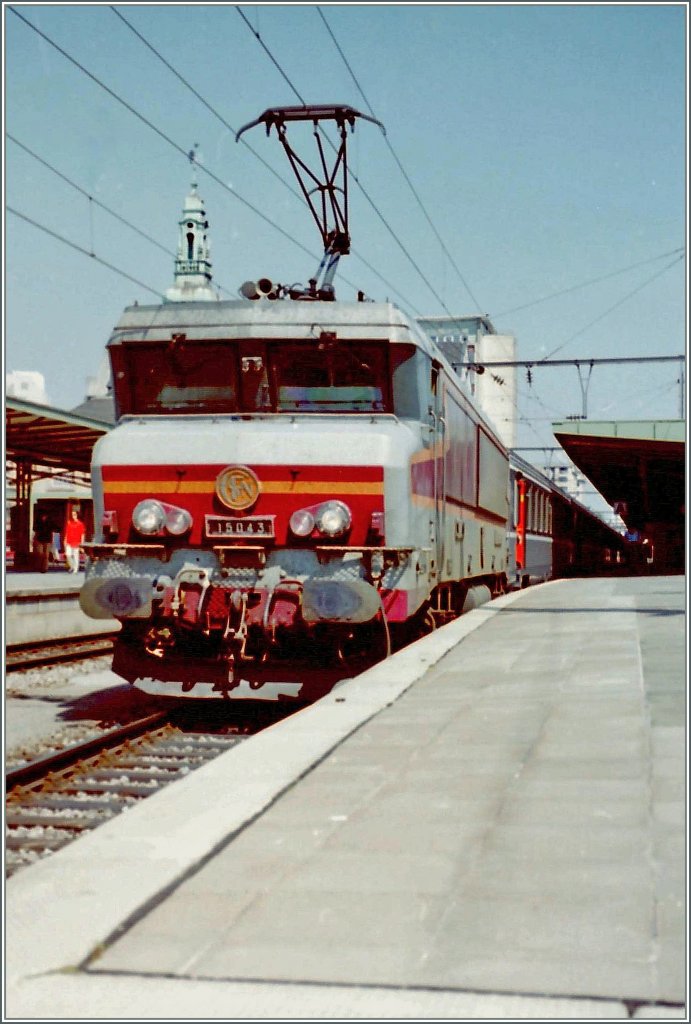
{"x":105,"y":701}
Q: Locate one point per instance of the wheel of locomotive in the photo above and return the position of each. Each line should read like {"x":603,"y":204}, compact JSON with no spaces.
{"x":366,"y":646}
{"x":404,"y":633}
{"x":429,"y":623}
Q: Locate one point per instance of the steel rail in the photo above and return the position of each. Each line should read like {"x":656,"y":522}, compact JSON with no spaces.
{"x":35,"y":770}
{"x":57,"y":650}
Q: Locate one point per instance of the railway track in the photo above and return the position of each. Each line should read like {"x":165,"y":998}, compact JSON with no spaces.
{"x":52,"y":801}
{"x":54,"y":652}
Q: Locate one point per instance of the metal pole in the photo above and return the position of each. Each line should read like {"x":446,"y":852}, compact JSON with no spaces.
{"x":681,"y":391}
{"x":584,"y":386}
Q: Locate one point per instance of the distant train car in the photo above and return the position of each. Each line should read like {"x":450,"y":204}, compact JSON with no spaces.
{"x":530,"y":533}
{"x":57,"y":497}
{"x":551,"y":535}
{"x":584,"y":545}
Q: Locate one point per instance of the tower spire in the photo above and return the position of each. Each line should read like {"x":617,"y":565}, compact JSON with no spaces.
{"x":192,"y":157}
{"x":193,"y":261}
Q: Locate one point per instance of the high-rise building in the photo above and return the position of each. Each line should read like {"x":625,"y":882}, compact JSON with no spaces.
{"x":465,"y":340}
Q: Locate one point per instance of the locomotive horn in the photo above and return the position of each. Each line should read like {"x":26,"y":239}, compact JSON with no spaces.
{"x":249,"y":290}
{"x":267,"y":288}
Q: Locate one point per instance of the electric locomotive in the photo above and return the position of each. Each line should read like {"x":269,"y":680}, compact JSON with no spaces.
{"x":290,"y":478}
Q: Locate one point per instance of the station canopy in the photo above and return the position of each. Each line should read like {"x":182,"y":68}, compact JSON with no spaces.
{"x":637,"y":465}
{"x":53,"y":438}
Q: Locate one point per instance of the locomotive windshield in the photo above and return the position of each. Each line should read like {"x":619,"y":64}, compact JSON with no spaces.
{"x":214,"y":377}
{"x":330,"y":377}
{"x":175,"y":377}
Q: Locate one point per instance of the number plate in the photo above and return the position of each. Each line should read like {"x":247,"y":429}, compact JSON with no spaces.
{"x":248,"y":526}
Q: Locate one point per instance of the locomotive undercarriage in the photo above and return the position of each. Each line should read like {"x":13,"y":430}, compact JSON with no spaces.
{"x":221,"y":618}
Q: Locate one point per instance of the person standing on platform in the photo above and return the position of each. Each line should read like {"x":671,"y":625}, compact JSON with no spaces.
{"x":43,"y":539}
{"x":74,"y":535}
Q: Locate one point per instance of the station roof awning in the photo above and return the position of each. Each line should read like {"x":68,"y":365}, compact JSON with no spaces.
{"x":637,"y":465}
{"x":50,"y":437}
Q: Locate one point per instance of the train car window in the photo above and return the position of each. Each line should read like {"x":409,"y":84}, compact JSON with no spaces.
{"x":176,"y":377}
{"x":530,"y":507}
{"x":461,"y":453}
{"x":330,"y":377}
{"x":493,"y":471}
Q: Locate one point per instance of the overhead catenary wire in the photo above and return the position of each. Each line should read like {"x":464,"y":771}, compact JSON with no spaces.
{"x":185,"y":152}
{"x":182,"y":150}
{"x":355,"y":178}
{"x":488,"y":364}
{"x":257,"y":35}
{"x":590,"y":281}
{"x":171,"y":142}
{"x":83,"y":251}
{"x":611,"y":309}
{"x":264,"y":162}
{"x":203,"y":100}
{"x":399,"y":164}
{"x":267,"y":51}
{"x":83,"y":191}
{"x":97,"y":202}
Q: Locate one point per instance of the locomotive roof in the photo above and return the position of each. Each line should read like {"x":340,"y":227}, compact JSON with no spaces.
{"x":280,"y":319}
{"x":265,"y":318}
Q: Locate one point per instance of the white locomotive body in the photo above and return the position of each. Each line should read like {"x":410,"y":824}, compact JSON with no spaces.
{"x":285,"y":475}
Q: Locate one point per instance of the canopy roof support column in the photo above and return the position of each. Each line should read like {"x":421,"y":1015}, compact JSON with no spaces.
{"x":22,"y":513}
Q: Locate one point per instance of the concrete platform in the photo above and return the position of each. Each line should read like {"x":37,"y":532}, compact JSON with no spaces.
{"x":55,"y":580}
{"x":45,"y":606}
{"x":490,"y":824}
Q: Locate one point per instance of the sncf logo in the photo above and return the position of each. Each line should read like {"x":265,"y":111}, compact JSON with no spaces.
{"x":237,"y":487}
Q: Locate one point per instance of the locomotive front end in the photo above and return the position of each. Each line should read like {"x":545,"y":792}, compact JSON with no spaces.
{"x":253,"y":504}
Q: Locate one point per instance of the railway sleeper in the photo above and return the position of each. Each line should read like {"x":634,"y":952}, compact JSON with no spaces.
{"x":121,"y":789}
{"x":59,"y":803}
{"x":18,"y":842}
{"x":29,"y":819}
{"x":183,"y":748}
{"x":134,"y":775}
{"x":164,"y":762}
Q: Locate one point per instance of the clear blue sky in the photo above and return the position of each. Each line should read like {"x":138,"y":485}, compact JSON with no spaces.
{"x":547,"y":144}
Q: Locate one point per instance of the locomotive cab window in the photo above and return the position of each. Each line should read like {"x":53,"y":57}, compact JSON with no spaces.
{"x":410,"y":370}
{"x":175,"y":377}
{"x":330,"y":377}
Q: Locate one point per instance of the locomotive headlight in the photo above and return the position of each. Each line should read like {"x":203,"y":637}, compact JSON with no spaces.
{"x":333,"y":518}
{"x":178,"y":521}
{"x":149,"y":516}
{"x":302,"y":522}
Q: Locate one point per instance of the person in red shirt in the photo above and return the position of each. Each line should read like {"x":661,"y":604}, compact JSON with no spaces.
{"x":74,"y":535}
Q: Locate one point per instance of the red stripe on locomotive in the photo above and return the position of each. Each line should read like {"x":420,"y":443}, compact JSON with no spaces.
{"x":283,"y":491}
